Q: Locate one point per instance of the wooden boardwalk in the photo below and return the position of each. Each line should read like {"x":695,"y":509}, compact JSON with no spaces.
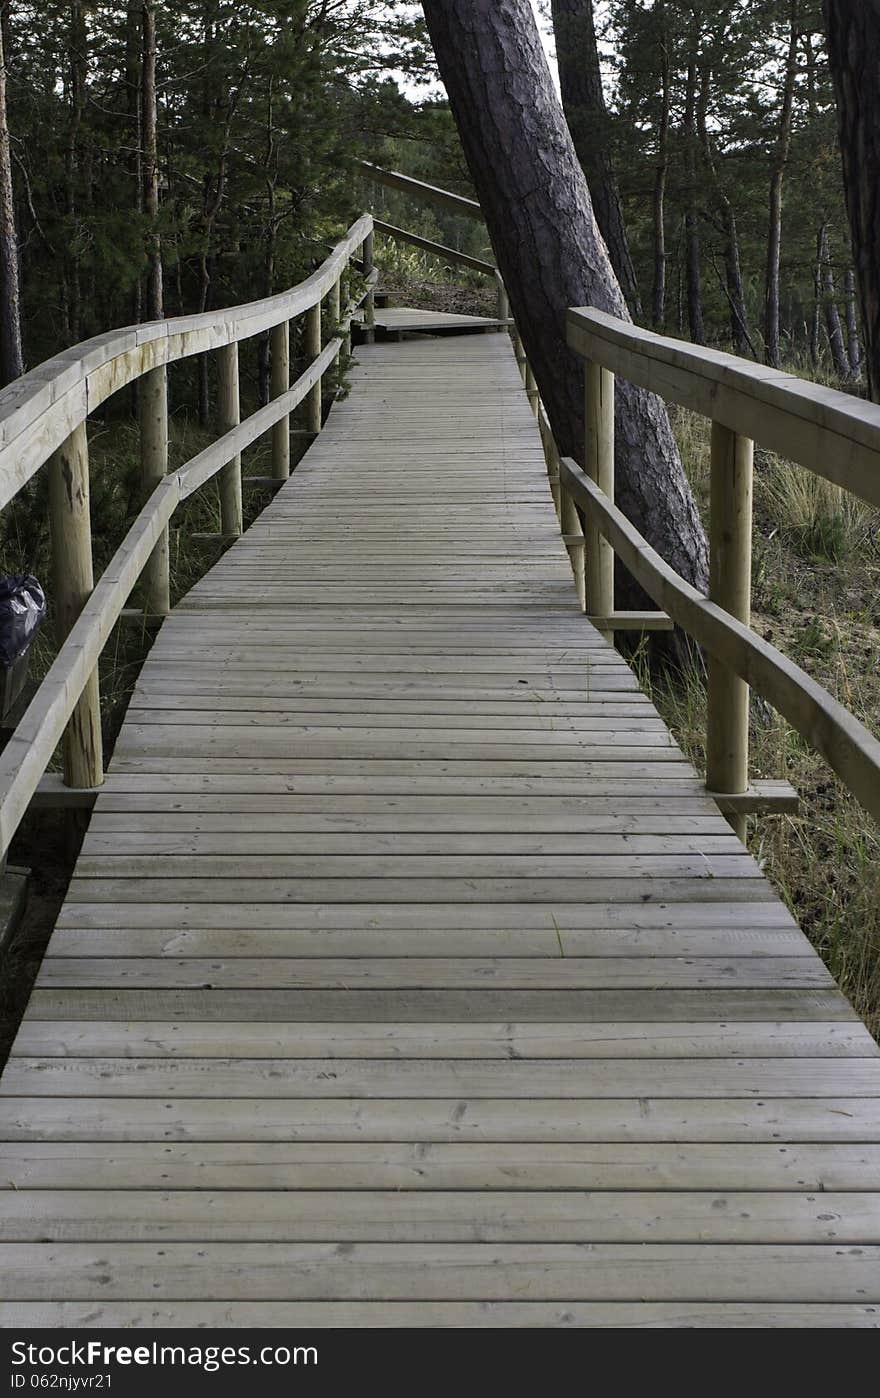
{"x":408,"y":976}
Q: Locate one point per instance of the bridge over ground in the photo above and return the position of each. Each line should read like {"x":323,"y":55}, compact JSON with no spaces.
{"x":409,"y":974}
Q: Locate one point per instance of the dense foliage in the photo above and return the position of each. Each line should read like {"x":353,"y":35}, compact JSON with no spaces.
{"x":733,"y":105}
{"x":260,"y":108}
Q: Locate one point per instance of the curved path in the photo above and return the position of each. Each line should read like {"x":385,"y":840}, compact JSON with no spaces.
{"x":408,"y":975}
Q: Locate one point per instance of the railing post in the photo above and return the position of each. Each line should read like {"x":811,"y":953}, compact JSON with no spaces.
{"x":573,"y":533}
{"x":346,"y":301}
{"x":153,"y":417}
{"x":531,"y":388}
{"x":502,"y":305}
{"x":730,"y":586}
{"x":313,"y":349}
{"x":73,"y":582}
{"x":519,"y":352}
{"x":229,"y":416}
{"x":335,"y":305}
{"x":599,"y":466}
{"x":370,"y":303}
{"x":280,"y":383}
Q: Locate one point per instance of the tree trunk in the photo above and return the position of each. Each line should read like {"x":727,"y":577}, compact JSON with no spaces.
{"x":537,"y":208}
{"x":854,"y":347}
{"x":853,"y":28}
{"x":155,"y":300}
{"x":829,"y":302}
{"x":726,"y":218}
{"x":816,"y":317}
{"x":134,"y":104}
{"x":11,"y":355}
{"x":583,"y":100}
{"x":77,"y":77}
{"x":692,"y":213}
{"x":661,"y":174}
{"x":777,"y":181}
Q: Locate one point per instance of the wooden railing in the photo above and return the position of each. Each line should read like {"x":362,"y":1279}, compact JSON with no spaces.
{"x":43,"y":422}
{"x":443,"y":198}
{"x":832,"y":434}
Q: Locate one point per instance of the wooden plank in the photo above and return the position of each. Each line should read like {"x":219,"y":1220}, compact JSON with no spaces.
{"x":413,"y":1271}
{"x":424,"y":972}
{"x":120,"y":943}
{"x":462,"y":1216}
{"x":516,"y":1315}
{"x":426,"y":1079}
{"x":161,"y":1039}
{"x":441,"y":1165}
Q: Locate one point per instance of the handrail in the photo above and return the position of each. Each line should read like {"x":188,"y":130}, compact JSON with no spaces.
{"x":41,"y":409}
{"x":830,"y":433}
{"x":24,"y":759}
{"x":845,"y":743}
{"x":462,"y":259}
{"x":42,"y":419}
{"x":430,"y":193}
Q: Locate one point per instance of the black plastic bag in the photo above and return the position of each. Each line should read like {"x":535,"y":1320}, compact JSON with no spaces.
{"x":22,"y":613}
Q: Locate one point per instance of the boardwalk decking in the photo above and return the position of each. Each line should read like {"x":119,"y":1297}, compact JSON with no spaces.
{"x":407,"y":975}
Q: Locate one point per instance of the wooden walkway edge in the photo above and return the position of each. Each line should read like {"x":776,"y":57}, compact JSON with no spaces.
{"x":408,"y":976}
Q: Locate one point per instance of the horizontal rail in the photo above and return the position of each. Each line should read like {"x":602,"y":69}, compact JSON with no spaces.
{"x":461,"y":259}
{"x":830,"y":433}
{"x":845,"y":743}
{"x":40,"y":411}
{"x":24,"y":759}
{"x":427,"y":193}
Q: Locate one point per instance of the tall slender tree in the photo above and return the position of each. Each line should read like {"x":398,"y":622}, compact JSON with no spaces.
{"x":11,"y":354}
{"x":583,"y":100}
{"x":155,"y":299}
{"x":777,"y":182}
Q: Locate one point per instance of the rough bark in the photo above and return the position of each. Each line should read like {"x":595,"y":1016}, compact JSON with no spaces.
{"x":661,"y":173}
{"x":853,"y":29}
{"x":540,"y":218}
{"x":11,"y":354}
{"x":777,"y":183}
{"x":583,"y":101}
{"x":155,"y":300}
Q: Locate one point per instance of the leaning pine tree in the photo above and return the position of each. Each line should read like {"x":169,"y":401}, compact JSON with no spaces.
{"x":551,"y":254}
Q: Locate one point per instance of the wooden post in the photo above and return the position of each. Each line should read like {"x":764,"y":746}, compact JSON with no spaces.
{"x":280,"y":352}
{"x":532,"y":388}
{"x":335,"y":305}
{"x":313,"y":349}
{"x":573,"y":533}
{"x":599,"y":466}
{"x":346,"y":300}
{"x":370,"y":303}
{"x":503,"y":301}
{"x":153,"y":416}
{"x":73,"y":582}
{"x":229,"y":416}
{"x":519,"y":351}
{"x":730,"y":586}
